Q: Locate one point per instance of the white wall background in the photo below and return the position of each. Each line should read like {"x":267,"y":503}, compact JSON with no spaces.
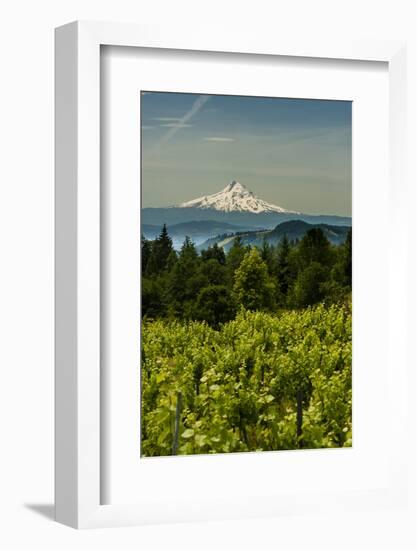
{"x":26,"y":268}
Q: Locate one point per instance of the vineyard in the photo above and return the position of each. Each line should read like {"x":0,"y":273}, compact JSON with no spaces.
{"x":263,"y":381}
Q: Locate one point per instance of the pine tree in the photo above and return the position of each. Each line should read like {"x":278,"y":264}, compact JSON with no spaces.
{"x":153,"y":305}
{"x":235,"y":257}
{"x":185,"y":280}
{"x":165,"y":245}
{"x":214,"y":252}
{"x":342,"y":269}
{"x":215,"y":305}
{"x":146,"y":252}
{"x":347,"y":259}
{"x":314,"y":247}
{"x":171,"y":261}
{"x":283,"y":265}
{"x":214,"y":272}
{"x":267,"y":255}
{"x":309,"y":287}
{"x":152,"y":265}
{"x":160,"y":250}
{"x":188,"y":250}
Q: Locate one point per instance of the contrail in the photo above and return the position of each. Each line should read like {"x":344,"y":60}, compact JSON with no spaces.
{"x":196,"y":106}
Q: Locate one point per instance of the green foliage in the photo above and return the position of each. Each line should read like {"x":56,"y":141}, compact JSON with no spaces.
{"x":314,"y":247}
{"x":253,"y":288}
{"x":282,"y":270}
{"x":308,"y":288}
{"x":153,"y":304}
{"x":185,"y":281}
{"x":267,"y":255}
{"x":215,"y":305}
{"x":272,"y":278}
{"x":214,"y":253}
{"x":214,"y":380}
{"x":214,"y":272}
{"x":160,"y":251}
{"x":239,"y":384}
{"x":342,"y":270}
{"x":235,"y":257}
{"x":146,"y":253}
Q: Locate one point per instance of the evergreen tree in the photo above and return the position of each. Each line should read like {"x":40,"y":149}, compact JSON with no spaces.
{"x":347,"y":259}
{"x":146,"y":252}
{"x":152,"y":268}
{"x":152,"y":298}
{"x":165,"y":243}
{"x":171,"y":261}
{"x":308,"y":288}
{"x":340,"y":284}
{"x":283,"y":266}
{"x":267,"y":255}
{"x":214,"y":252}
{"x":253,"y":288}
{"x":314,"y":247}
{"x":188,"y":250}
{"x":160,"y":251}
{"x":209,"y":287}
{"x":185,"y":280}
{"x":235,"y":256}
{"x":215,"y":305}
{"x":214,"y":272}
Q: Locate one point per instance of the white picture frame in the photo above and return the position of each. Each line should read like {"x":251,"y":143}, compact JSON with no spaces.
{"x":78,"y":411}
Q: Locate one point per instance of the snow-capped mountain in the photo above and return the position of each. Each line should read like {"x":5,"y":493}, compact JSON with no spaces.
{"x":235,"y":197}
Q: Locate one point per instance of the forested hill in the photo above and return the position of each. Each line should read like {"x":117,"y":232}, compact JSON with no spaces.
{"x":294,"y":230}
{"x":213,"y":285}
{"x":196,"y":229}
{"x":175,"y":215}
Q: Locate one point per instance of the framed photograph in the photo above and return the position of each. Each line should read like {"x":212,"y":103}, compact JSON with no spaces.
{"x":246,"y":305}
{"x":229,"y":338}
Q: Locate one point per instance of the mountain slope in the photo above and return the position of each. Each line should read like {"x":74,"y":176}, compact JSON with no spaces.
{"x":294,"y":229}
{"x":235,"y":197}
{"x":175,"y":215}
{"x":194,"y":228}
{"x":236,"y":205}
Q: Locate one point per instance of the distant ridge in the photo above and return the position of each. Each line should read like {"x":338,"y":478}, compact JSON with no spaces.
{"x":194,"y":228}
{"x":293,"y":229}
{"x":234,"y":205}
{"x":175,"y":215}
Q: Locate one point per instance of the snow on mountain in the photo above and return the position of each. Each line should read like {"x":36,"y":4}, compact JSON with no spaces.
{"x":235,"y":197}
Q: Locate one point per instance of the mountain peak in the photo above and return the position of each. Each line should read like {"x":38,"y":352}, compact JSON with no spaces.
{"x":237,"y":188}
{"x":235,"y":197}
{"x":235,"y":185}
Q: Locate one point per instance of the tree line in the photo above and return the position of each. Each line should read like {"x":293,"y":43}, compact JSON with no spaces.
{"x":212,"y":286}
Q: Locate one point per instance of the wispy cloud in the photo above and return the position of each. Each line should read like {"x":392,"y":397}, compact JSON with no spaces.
{"x":219,"y":139}
{"x":167,"y":118}
{"x":175,"y":125}
{"x":182,"y":122}
{"x":145,"y":127}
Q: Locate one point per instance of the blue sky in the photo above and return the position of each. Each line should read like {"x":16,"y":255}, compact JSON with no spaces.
{"x":295,"y":153}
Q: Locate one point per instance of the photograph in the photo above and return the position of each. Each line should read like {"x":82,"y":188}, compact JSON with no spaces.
{"x":246,"y":273}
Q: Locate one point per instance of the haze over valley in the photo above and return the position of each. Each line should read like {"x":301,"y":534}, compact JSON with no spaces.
{"x":234,"y":210}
